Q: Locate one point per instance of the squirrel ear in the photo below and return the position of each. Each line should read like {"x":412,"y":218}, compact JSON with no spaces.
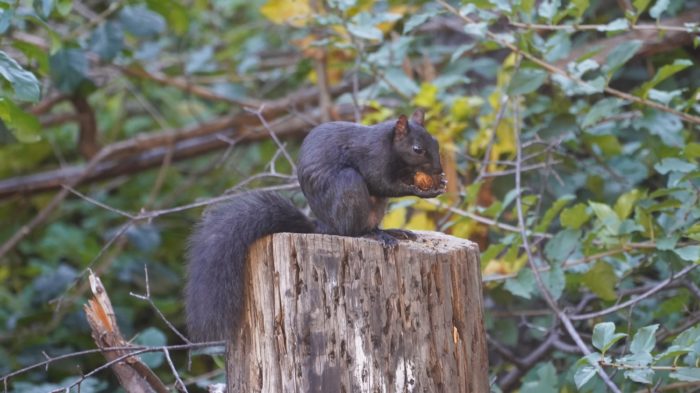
{"x":401,"y":127}
{"x":419,"y":116}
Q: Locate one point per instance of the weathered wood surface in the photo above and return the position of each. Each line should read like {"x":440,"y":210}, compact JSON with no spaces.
{"x":339,"y":314}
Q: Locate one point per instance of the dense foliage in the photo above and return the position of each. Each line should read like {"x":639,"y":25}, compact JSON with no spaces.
{"x":570,"y":132}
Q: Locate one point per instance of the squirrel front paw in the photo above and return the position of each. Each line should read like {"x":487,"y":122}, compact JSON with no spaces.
{"x":431,"y":193}
{"x":428,"y":186}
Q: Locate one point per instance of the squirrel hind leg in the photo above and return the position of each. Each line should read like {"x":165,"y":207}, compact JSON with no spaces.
{"x":389,"y":238}
{"x":401,"y":234}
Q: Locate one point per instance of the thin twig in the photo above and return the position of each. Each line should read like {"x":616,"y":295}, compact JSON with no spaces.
{"x":142,"y":349}
{"x":147,"y":298}
{"x":636,"y":299}
{"x":572,"y":28}
{"x":273,"y":135}
{"x":178,"y":380}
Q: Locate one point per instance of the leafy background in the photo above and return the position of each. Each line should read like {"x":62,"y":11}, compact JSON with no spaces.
{"x":570,"y":136}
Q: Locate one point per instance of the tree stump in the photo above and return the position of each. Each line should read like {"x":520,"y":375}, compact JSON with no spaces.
{"x":339,"y":314}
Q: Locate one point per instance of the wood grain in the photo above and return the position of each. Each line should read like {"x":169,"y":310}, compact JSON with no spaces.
{"x":339,"y":314}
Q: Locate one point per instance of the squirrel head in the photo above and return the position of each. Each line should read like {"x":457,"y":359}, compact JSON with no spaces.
{"x":418,"y":150}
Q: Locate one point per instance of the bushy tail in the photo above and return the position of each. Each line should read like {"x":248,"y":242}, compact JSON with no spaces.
{"x":217,"y":253}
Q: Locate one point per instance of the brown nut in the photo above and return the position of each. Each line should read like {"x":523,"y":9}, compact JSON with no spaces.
{"x":423,"y":181}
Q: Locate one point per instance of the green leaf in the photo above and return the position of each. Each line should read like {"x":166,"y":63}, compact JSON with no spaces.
{"x":690,"y":374}
{"x":586,"y":369}
{"x":644,"y":340}
{"x":578,"y":8}
{"x":461,"y":50}
{"x":24,"y":126}
{"x":606,"y":215}
{"x":664,"y":73}
{"x":608,"y":145}
{"x":640,"y":5}
{"x":620,"y":55}
{"x":641,"y":375}
{"x":526,"y":80}
{"x":491,"y":252}
{"x":174,"y":12}
{"x":689,"y":253}
{"x":562,"y":245}
{"x":548,"y":8}
{"x":5,"y":19}
{"x":417,"y":20}
{"x":555,"y":281}
{"x":601,"y":110}
{"x":201,"y":60}
{"x":552,"y":212}
{"x":69,"y":69}
{"x":616,"y":25}
{"x":476,"y":29}
{"x":658,"y":8}
{"x":141,"y":22}
{"x":625,"y":203}
{"x":365,"y":31}
{"x":666,"y":126}
{"x":107,"y":40}
{"x":521,"y":285}
{"x":43,"y":7}
{"x":575,"y":216}
{"x":64,"y":7}
{"x":674,"y":165}
{"x":546,"y":382}
{"x":557,"y":47}
{"x":666,"y":243}
{"x":601,"y":280}
{"x":604,"y":336}
{"x":152,"y":337}
{"x":23,"y":82}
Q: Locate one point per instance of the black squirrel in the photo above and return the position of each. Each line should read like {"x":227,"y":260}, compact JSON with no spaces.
{"x":346,"y":171}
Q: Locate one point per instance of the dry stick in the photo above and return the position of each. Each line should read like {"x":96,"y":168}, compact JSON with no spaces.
{"x":482,"y":219}
{"x":554,"y":70}
{"x":259,"y":114}
{"x":572,"y":28}
{"x":141,"y":349}
{"x":637,"y":299}
{"x":137,"y":352}
{"x":531,"y":261}
{"x":174,"y":370}
{"x":147,"y":297}
{"x":524,"y":169}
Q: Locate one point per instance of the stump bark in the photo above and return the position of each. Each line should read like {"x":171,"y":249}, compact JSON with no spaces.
{"x":339,"y":314}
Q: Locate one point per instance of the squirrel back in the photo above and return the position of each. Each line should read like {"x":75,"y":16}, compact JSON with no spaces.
{"x":346,"y":171}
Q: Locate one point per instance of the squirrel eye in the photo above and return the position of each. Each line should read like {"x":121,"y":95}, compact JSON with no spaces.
{"x":418,"y":150}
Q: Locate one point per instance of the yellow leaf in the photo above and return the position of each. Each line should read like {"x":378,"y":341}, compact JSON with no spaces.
{"x":408,"y":218}
{"x":293,"y":12}
{"x":467,"y":228}
{"x":420,"y":221}
{"x":497,"y":267}
{"x":378,"y":114}
{"x":427,"y":96}
{"x":395,"y":218}
{"x":464,"y":108}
